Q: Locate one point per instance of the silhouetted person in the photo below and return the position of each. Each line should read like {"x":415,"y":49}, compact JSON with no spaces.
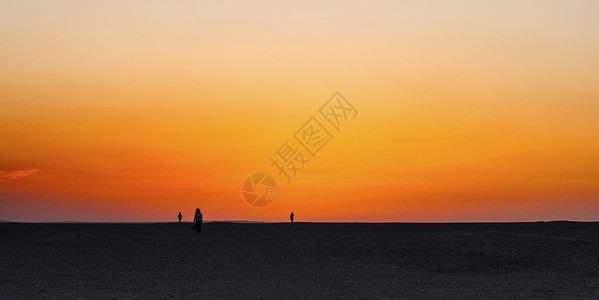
{"x":180,"y":216}
{"x":291,"y":217}
{"x":197,"y":221}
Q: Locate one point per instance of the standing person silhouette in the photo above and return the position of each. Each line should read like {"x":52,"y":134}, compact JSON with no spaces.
{"x":180,"y":216}
{"x":197,"y":221}
{"x":291,"y":217}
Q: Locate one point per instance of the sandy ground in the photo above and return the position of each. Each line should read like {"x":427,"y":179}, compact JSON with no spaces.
{"x":556,"y":260}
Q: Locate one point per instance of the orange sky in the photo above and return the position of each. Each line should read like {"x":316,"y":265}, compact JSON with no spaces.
{"x":468,"y":111}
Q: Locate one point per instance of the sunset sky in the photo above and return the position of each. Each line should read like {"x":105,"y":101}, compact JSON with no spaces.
{"x":136,"y":110}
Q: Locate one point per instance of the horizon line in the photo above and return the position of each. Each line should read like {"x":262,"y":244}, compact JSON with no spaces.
{"x":285,"y":222}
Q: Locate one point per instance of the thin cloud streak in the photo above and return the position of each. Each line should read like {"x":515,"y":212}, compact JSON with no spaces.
{"x":15,"y":175}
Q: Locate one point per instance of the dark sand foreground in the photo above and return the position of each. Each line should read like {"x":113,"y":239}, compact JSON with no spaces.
{"x":558,"y":260}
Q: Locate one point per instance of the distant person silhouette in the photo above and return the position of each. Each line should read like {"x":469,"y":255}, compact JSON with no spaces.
{"x":291,"y":217}
{"x":180,"y":216}
{"x":197,"y":221}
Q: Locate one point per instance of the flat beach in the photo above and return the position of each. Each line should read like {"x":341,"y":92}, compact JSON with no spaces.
{"x":549,"y":260}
